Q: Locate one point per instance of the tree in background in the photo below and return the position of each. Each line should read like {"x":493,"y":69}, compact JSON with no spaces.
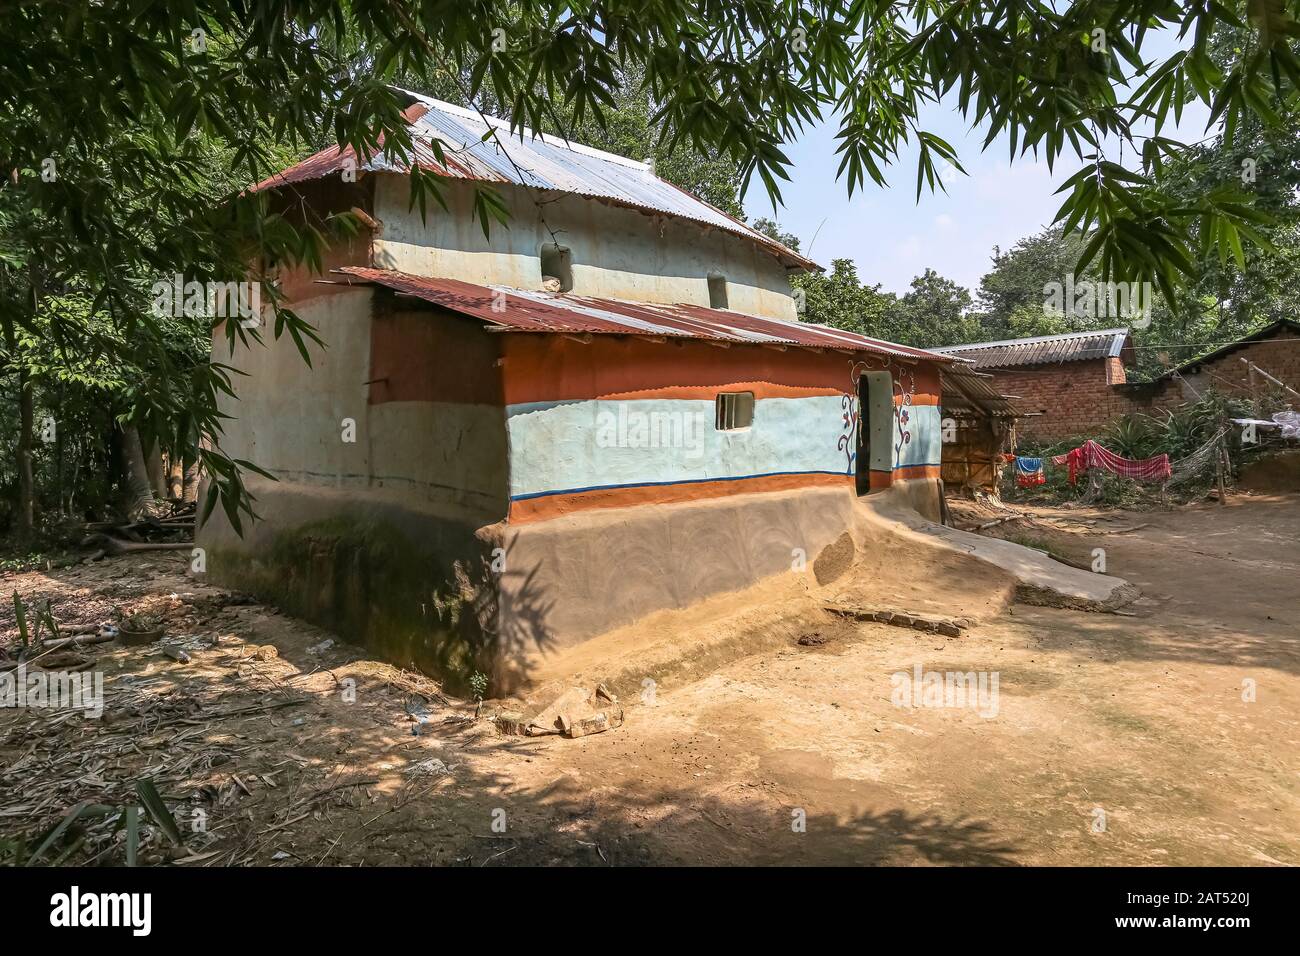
{"x":119,"y":96}
{"x":935,"y":311}
{"x":1012,"y":293}
{"x":838,"y":298}
{"x":772,"y":229}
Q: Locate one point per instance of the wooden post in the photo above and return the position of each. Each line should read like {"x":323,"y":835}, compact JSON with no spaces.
{"x":1218,"y":474}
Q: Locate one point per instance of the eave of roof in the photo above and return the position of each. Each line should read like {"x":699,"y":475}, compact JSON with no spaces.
{"x":532,"y":160}
{"x":521,"y":310}
{"x":966,"y":389}
{"x":1273,"y":327}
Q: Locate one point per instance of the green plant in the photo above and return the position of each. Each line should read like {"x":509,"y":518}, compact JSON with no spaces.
{"x":44,"y":622}
{"x":1131,"y":436}
{"x":68,"y":835}
{"x":478,"y":685}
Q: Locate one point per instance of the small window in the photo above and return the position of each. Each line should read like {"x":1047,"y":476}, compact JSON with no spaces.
{"x":735,"y":410}
{"x":717,"y":291}
{"x":557,"y":268}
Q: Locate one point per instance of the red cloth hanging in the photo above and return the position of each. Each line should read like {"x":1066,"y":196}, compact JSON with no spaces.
{"x":1091,"y":455}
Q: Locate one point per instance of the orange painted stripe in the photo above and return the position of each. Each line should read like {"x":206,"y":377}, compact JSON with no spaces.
{"x":709,"y":392}
{"x":916,"y":471}
{"x":883,"y":479}
{"x":555,"y":506}
{"x":548,"y":368}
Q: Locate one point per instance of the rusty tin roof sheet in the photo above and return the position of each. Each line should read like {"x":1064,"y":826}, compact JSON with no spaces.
{"x":522,"y":310}
{"x":965,"y":389}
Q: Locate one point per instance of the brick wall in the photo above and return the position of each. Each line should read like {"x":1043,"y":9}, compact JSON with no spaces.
{"x":1077,"y":399}
{"x":1229,"y":373}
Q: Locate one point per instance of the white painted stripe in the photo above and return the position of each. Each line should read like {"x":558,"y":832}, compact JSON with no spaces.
{"x":646,"y":441}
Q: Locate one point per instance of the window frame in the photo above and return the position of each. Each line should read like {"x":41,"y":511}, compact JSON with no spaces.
{"x":729,"y":408}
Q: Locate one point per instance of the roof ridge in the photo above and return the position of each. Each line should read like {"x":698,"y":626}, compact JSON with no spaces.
{"x":524,"y":132}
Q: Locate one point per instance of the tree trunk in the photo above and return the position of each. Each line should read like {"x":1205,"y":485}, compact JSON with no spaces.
{"x":154,"y":467}
{"x":26,"y":479}
{"x":192,"y":477}
{"x":139,"y":490}
{"x":23,"y":456}
{"x":175,"y":480}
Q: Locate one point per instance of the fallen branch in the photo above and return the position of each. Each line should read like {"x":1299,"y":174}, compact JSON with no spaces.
{"x":998,"y":521}
{"x":78,"y":641}
{"x":342,"y":786}
{"x":115,"y":547}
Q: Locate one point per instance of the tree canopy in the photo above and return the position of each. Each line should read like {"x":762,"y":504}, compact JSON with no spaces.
{"x":109,"y":114}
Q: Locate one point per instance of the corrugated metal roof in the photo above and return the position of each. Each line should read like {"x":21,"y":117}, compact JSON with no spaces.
{"x":530,"y":159}
{"x":527,"y":311}
{"x":965,"y":389}
{"x":1042,"y":349}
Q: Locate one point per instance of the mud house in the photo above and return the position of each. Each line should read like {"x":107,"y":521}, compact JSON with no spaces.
{"x":514,"y":443}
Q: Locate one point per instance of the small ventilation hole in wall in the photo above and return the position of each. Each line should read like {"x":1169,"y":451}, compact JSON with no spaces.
{"x":557,"y":268}
{"x":717,"y":291}
{"x":734,"y":410}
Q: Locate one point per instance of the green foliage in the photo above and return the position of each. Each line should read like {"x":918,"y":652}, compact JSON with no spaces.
{"x":57,"y":845}
{"x":773,"y":230}
{"x":32,"y":636}
{"x":935,"y":311}
{"x":1131,"y":436}
{"x":839,"y":299}
{"x":1012,"y":294}
{"x":478,"y":685}
{"x":135,"y":102}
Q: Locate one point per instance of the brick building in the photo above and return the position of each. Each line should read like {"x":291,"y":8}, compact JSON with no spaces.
{"x":1074,"y":385}
{"x":1066,"y":385}
{"x":1274,"y":349}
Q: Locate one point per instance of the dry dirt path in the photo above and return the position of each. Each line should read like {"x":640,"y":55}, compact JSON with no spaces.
{"x":1115,"y":739}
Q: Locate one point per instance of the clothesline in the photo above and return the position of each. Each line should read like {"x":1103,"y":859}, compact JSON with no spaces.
{"x":1091,"y":455}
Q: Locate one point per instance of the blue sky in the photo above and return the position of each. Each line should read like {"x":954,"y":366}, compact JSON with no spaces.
{"x":892,"y":237}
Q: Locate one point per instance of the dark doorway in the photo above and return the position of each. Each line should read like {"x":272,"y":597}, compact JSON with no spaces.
{"x":862,"y":457}
{"x":875,"y":427}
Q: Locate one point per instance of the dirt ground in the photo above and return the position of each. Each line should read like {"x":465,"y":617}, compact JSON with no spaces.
{"x":1117,"y":738}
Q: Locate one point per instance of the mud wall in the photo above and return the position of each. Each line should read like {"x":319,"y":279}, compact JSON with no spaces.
{"x":618,"y":422}
{"x":411,"y":584}
{"x":390,"y":455}
{"x":616,"y":252}
{"x":571,"y":578}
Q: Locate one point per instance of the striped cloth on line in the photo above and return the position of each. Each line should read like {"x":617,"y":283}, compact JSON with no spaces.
{"x":1090,"y":455}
